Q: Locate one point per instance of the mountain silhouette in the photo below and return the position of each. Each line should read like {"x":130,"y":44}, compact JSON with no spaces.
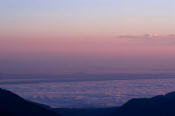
{"x":13,"y":105}
{"x":162,"y":105}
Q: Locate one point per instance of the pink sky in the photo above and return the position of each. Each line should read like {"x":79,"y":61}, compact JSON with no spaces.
{"x":85,"y":36}
{"x":123,"y":53}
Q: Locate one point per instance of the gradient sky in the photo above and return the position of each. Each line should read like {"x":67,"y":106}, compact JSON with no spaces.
{"x":95,"y":36}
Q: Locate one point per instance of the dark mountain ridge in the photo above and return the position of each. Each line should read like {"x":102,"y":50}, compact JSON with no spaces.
{"x":161,"y":105}
{"x":13,"y":105}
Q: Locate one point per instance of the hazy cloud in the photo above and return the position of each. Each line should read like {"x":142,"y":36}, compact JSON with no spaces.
{"x":149,"y":36}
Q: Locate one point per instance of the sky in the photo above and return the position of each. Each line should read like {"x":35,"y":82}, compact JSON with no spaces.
{"x":94,"y":36}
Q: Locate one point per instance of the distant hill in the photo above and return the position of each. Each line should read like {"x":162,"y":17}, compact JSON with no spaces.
{"x":13,"y":105}
{"x":75,"y":77}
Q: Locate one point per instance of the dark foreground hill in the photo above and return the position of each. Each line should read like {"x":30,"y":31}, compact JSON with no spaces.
{"x":13,"y":105}
{"x":162,"y":105}
{"x":86,"y":112}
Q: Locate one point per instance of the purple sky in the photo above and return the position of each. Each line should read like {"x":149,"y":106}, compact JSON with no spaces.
{"x":98,"y":36}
